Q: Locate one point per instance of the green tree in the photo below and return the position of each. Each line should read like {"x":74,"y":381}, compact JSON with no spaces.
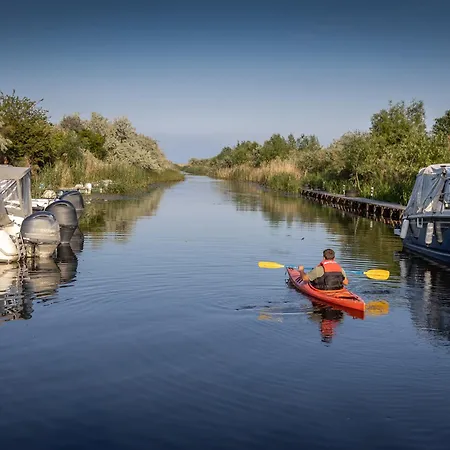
{"x":27,"y":127}
{"x":66,"y":145}
{"x":442,"y":124}
{"x":94,"y":142}
{"x":3,"y":141}
{"x":394,"y":124}
{"x":310,"y":142}
{"x":72,"y":122}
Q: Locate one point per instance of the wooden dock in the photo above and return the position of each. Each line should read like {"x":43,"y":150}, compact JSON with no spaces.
{"x":389,"y":213}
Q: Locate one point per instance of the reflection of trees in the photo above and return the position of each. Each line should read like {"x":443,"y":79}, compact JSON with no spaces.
{"x":428,"y":285}
{"x":118,"y":217}
{"x":362,"y":237}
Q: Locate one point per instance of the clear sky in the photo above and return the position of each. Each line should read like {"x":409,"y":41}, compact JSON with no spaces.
{"x":199,"y":75}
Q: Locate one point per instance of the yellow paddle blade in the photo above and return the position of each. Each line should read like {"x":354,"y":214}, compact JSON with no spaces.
{"x":377,"y":308}
{"x":269,"y":265}
{"x":377,"y":274}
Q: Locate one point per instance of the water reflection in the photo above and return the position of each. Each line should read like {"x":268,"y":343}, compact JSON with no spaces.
{"x":40,"y":279}
{"x":117,"y":215}
{"x":328,"y":319}
{"x":361,"y":237}
{"x":326,"y":316}
{"x":428,"y":287}
{"x":36,"y":280}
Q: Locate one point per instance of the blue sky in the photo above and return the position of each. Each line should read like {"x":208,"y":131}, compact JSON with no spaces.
{"x":199,"y":75}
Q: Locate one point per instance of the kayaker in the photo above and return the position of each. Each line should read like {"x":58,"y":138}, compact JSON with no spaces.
{"x":328,"y":275}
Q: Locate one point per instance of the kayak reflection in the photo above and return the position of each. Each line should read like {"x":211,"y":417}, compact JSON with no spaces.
{"x":328,"y":320}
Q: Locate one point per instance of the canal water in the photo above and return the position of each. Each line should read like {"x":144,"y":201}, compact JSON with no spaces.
{"x":157,"y":329}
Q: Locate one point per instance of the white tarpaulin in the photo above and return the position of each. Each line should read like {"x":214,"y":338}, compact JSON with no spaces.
{"x":428,"y":193}
{"x":15,"y":189}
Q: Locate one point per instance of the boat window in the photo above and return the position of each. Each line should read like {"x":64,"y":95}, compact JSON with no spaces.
{"x":10,"y":193}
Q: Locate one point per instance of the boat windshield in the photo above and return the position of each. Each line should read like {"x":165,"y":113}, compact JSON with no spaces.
{"x":16,"y":193}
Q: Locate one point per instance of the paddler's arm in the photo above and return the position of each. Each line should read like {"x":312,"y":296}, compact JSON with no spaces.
{"x":345,"y":282}
{"x":311,"y":275}
{"x":304,"y":276}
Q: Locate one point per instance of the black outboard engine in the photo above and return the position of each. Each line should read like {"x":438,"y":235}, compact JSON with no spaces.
{"x":40,"y":234}
{"x":76,"y":199}
{"x":66,"y":216}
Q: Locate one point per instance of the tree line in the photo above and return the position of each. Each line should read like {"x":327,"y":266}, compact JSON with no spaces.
{"x":27,"y":136}
{"x":386,"y":157}
{"x":78,"y":150}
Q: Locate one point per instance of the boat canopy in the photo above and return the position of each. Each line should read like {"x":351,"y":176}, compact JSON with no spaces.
{"x":431,"y":191}
{"x":15,"y":189}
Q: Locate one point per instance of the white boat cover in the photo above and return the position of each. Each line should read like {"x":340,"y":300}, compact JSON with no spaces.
{"x":431,"y":192}
{"x":15,"y":189}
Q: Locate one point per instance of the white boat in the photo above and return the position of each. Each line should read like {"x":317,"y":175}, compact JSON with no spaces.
{"x":24,"y":233}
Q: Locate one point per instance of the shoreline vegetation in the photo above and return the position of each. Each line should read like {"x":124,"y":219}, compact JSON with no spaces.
{"x":109,"y":154}
{"x":386,"y":157}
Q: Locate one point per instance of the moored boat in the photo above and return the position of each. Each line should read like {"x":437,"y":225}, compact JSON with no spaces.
{"x":426,"y":220}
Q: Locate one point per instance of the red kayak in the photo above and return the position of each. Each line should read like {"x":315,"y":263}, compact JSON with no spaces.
{"x":342,"y":297}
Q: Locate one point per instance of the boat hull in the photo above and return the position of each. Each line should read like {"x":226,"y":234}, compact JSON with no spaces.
{"x":342,"y":298}
{"x":429,"y":237}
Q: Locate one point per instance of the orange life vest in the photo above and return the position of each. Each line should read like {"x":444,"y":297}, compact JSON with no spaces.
{"x":332,"y":278}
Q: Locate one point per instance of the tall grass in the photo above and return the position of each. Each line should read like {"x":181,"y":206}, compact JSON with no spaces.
{"x":125,"y":177}
{"x":277,"y":175}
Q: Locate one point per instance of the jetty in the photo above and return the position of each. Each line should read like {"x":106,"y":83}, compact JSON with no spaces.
{"x":389,"y":213}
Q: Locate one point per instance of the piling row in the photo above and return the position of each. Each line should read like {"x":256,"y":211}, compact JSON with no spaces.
{"x":388,"y":213}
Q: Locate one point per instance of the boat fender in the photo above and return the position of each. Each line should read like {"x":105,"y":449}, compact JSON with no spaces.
{"x":439,"y":232}
{"x":8,"y":249}
{"x":405,"y":226}
{"x":429,"y":234}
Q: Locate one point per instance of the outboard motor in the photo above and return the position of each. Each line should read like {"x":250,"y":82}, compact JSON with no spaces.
{"x":40,"y":234}
{"x":76,"y":199}
{"x":66,"y":216}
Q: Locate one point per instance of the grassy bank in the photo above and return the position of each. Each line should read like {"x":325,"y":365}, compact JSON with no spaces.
{"x":79,"y":151}
{"x":277,"y":175}
{"x":386,"y":157}
{"x":121,"y":178}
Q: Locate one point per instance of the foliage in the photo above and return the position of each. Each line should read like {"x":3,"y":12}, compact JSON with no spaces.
{"x":77,"y":150}
{"x":4,"y":142}
{"x":385,"y":157}
{"x":442,"y":124}
{"x":26,"y":126}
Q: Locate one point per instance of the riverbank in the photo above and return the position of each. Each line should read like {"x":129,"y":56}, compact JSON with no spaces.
{"x":380,"y":163}
{"x":108,"y":178}
{"x":110,"y":155}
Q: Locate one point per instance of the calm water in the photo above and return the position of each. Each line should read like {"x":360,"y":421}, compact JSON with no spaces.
{"x":158,"y":330}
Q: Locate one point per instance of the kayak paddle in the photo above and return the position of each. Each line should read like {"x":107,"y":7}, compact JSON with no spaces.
{"x":374,"y":274}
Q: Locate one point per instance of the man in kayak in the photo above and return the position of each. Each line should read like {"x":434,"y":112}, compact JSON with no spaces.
{"x":328,"y":275}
